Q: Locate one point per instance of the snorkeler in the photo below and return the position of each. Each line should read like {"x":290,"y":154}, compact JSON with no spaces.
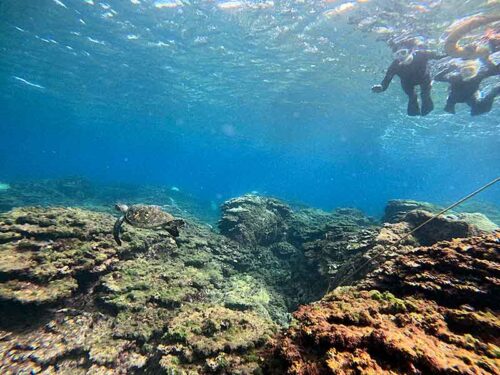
{"x":411,"y":65}
{"x":465,"y":77}
{"x":489,"y":43}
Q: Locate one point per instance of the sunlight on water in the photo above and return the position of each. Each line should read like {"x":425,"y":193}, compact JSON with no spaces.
{"x":290,"y":76}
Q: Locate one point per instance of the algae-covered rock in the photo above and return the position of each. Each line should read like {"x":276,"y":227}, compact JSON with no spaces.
{"x":69,"y":344}
{"x":479,"y":220}
{"x":243,"y":292}
{"x":116,"y":306}
{"x":435,"y":310}
{"x":26,"y":292}
{"x":396,"y":209}
{"x":209,"y":338}
{"x":373,"y":332}
{"x":45,"y":251}
{"x":461,"y":271}
{"x":442,"y":228}
{"x":254,"y":220}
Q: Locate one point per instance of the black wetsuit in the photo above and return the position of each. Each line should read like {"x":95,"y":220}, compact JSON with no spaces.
{"x":411,"y":75}
{"x":467,"y":91}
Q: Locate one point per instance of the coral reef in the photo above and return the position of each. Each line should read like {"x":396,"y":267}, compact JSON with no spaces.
{"x":441,"y":317}
{"x":211,"y":339}
{"x":146,"y":303}
{"x":72,"y":301}
{"x":392,"y":239}
{"x":461,"y":271}
{"x":47,"y":253}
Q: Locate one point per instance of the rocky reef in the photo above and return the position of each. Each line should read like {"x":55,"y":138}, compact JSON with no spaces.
{"x":74,"y":302}
{"x":432,"y":310}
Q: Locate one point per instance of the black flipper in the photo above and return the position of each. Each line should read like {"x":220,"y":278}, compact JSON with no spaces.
{"x":413,"y":106}
{"x":116,"y":229}
{"x":484,"y":104}
{"x":173,"y":227}
{"x":427,"y":104}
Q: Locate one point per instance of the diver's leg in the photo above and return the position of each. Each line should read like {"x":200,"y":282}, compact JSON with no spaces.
{"x":451,"y":101}
{"x":480,"y":105}
{"x":425,"y":94}
{"x":450,"y":106}
{"x":413,"y":107}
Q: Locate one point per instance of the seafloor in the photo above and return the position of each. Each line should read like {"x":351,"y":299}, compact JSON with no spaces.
{"x":269,"y":288}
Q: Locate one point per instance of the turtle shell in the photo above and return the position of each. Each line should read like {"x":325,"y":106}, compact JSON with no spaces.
{"x":145,"y":216}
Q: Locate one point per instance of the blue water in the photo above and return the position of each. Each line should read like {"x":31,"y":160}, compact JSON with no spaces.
{"x":223,"y":98}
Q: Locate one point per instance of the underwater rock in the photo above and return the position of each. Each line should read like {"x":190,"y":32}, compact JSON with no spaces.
{"x":150,"y":304}
{"x":212,"y":339}
{"x":68,"y":344}
{"x":43,"y":252}
{"x":307,"y":225}
{"x":344,"y":234}
{"x":490,"y":210}
{"x":445,"y":227}
{"x":369,"y":252}
{"x":254,"y":220}
{"x":352,"y":331}
{"x":338,"y":247}
{"x":460,"y":271}
{"x":416,"y":321}
{"x":478,"y":220}
{"x":46,"y":253}
{"x":396,"y":209}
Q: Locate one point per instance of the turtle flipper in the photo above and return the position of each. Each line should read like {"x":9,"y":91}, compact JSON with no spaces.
{"x":173,"y":227}
{"x":116,"y":229}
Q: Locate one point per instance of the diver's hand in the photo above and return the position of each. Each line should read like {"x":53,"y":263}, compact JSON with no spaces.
{"x":377,"y":88}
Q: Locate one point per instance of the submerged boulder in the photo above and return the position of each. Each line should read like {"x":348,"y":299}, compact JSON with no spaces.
{"x":255,"y":220}
{"x":442,"y":228}
{"x":396,"y":209}
{"x":447,"y":227}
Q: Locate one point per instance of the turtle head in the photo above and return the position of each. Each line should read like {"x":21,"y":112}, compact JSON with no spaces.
{"x":121,"y":207}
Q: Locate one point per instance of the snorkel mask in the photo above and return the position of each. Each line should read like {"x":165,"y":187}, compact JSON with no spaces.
{"x":404,"y":56}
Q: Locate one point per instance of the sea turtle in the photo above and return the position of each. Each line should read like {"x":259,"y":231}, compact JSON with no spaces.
{"x":146,"y":216}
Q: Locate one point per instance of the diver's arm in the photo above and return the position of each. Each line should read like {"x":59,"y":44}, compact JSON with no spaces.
{"x":391,"y":72}
{"x":431,"y":55}
{"x":491,"y":70}
{"x":449,"y":73}
{"x":441,"y":76}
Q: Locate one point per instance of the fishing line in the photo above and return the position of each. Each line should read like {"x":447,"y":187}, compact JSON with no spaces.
{"x":377,"y":255}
